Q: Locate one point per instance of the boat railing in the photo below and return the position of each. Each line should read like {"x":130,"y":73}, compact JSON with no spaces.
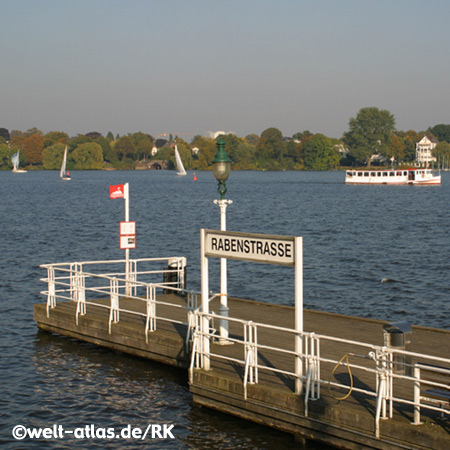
{"x":347,"y":369}
{"x":109,"y":286}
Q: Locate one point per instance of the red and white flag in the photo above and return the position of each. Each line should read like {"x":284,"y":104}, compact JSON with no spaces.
{"x":117,"y":191}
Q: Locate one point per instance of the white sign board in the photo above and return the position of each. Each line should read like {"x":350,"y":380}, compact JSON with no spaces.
{"x":127,"y":242}
{"x":261,"y":248}
{"x":127,"y":228}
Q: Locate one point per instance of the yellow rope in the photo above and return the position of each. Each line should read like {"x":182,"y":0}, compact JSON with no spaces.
{"x":351,"y":378}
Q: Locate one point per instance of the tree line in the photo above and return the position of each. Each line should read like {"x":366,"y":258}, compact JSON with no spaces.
{"x":371,"y":132}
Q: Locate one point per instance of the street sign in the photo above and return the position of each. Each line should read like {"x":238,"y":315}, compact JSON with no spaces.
{"x":260,"y":248}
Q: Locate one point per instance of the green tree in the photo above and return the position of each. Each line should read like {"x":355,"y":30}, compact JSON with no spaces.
{"x":109,"y":155}
{"x":54,"y":137}
{"x":320,"y":153}
{"x":125,"y":148}
{"x":4,"y":133}
{"x":369,"y":132}
{"x":271,"y":149}
{"x":243,"y":156}
{"x":5,"y":156}
{"x":252,"y":139}
{"x":80,"y":139}
{"x":143,"y":145}
{"x":207,"y":149}
{"x":110,"y":136}
{"x":302,"y":135}
{"x":441,"y":131}
{"x":52,"y":156}
{"x":442,"y":154}
{"x":88,"y":156}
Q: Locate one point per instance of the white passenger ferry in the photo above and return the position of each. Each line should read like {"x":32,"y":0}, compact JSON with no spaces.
{"x":403,"y":176}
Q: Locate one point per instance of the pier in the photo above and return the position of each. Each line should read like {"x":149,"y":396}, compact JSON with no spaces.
{"x":353,"y":383}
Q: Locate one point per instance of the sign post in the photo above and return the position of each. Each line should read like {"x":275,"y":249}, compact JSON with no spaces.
{"x":127,"y":230}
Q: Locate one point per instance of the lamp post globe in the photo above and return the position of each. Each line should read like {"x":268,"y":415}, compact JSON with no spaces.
{"x":221,"y":167}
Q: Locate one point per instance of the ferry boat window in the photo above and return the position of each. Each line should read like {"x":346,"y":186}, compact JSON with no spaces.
{"x":384,"y":174}
{"x":373,"y":174}
{"x":378,"y":174}
{"x":405,"y":173}
{"x":399,"y":174}
{"x":359,"y":174}
{"x":366,"y":174}
{"x":391,"y":174}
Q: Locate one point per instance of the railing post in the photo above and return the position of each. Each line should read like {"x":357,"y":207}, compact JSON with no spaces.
{"x":114,"y":309}
{"x":417,"y":396}
{"x":80,"y":295}
{"x":51,"y":297}
{"x":150,"y":324}
{"x":382,"y":380}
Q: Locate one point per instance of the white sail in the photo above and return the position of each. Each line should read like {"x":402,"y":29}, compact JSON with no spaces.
{"x":63,"y":173}
{"x":15,"y":162}
{"x":180,"y":166}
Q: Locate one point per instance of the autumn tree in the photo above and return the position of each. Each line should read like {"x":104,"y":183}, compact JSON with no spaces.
{"x":409,"y":138}
{"x":32,"y":149}
{"x":395,"y":149}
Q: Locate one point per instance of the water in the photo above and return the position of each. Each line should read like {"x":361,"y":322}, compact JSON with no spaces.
{"x":370,"y":251}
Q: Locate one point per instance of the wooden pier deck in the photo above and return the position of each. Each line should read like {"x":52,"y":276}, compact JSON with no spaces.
{"x":347,"y":423}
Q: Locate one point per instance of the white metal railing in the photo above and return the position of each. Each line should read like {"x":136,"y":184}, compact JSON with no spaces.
{"x":382,"y":364}
{"x":107,"y":286}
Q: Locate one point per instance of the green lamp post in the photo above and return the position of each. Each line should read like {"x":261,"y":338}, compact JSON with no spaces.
{"x":222,"y":170}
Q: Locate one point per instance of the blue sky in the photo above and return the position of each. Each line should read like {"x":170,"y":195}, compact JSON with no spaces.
{"x":235,"y":65}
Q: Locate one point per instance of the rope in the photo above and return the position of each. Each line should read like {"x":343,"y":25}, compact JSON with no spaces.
{"x":351,"y":378}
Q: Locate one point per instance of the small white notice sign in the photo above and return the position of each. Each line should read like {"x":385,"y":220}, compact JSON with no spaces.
{"x":127,"y":228}
{"x":127,"y":242}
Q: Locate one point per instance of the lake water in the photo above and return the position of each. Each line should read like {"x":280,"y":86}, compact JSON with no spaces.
{"x":371,"y":251}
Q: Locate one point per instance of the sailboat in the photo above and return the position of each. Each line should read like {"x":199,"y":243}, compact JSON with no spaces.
{"x":180,"y":166}
{"x":15,"y":162}
{"x":64,"y":174}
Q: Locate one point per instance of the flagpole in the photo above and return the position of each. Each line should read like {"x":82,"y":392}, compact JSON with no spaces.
{"x":127,"y":250}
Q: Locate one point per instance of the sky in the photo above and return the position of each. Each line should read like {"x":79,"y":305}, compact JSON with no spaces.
{"x":187,"y":67}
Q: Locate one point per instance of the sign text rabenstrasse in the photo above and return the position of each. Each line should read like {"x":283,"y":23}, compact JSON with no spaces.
{"x":252,"y":247}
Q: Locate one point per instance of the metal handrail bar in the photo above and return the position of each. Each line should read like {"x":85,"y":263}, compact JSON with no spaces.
{"x":110,"y":261}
